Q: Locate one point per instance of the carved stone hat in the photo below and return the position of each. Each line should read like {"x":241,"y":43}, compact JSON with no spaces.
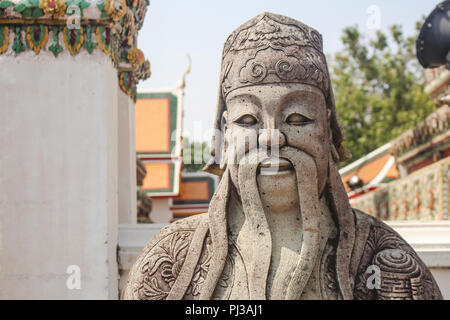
{"x":271,"y":48}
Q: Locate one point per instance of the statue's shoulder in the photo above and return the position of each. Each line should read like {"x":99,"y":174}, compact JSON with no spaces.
{"x":403,"y":275}
{"x":366,"y":219}
{"x":379,"y":235}
{"x":157,"y":267}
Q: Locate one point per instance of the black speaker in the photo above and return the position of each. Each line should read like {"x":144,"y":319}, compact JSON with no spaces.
{"x":433,"y":44}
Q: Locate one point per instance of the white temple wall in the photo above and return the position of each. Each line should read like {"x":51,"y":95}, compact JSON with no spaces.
{"x":58,"y":181}
{"x":442,"y":277}
{"x":431,"y":241}
{"x":160,"y":210}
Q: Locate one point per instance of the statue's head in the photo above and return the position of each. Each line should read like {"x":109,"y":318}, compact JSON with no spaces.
{"x":277,"y":129}
{"x":275,"y":94}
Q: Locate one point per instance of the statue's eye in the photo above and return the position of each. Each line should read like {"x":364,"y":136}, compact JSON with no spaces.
{"x":246,"y":120}
{"x":296,"y":119}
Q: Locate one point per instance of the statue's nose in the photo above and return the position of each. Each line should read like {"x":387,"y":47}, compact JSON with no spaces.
{"x":271,"y":138}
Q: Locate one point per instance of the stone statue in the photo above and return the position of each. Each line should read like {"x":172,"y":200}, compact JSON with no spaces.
{"x":280,"y":225}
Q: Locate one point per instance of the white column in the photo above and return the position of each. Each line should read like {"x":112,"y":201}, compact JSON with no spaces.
{"x":127,"y":160}
{"x":58,"y":175}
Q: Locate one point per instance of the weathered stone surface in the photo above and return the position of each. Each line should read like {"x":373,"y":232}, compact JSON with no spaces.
{"x":280,"y":225}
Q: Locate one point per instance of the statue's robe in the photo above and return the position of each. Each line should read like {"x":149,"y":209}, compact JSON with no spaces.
{"x":381,"y":265}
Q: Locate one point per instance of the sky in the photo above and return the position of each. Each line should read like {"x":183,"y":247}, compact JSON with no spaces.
{"x":174,"y":29}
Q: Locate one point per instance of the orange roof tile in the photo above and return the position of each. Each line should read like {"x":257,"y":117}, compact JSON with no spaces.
{"x":370,"y":170}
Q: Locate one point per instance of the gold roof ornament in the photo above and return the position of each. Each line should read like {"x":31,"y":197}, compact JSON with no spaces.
{"x":188,"y":71}
{"x":53,"y":8}
{"x":116,"y":9}
{"x":136,"y":57}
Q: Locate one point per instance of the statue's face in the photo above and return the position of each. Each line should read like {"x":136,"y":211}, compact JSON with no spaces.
{"x":275,"y":116}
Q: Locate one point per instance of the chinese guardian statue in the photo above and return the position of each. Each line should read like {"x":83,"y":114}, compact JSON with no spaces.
{"x":279,"y":225}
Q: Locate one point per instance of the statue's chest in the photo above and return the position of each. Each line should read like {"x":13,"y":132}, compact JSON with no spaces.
{"x":282,"y":267}
{"x":234,"y":282}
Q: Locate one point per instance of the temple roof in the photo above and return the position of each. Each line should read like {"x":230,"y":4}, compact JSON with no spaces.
{"x":373,"y":169}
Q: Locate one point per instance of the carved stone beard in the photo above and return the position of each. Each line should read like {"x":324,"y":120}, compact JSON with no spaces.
{"x":339,"y":206}
{"x":247,"y":186}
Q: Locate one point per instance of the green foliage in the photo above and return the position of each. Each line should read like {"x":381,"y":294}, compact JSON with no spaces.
{"x":195,"y":155}
{"x":378,"y":88}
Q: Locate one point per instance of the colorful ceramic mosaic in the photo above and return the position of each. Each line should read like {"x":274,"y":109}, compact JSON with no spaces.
{"x":435,"y":124}
{"x":423,"y":195}
{"x":110,"y":26}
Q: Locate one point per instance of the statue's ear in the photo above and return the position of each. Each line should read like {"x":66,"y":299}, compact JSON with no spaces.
{"x":339,"y":153}
{"x":224,"y":145}
{"x":216,"y":164}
